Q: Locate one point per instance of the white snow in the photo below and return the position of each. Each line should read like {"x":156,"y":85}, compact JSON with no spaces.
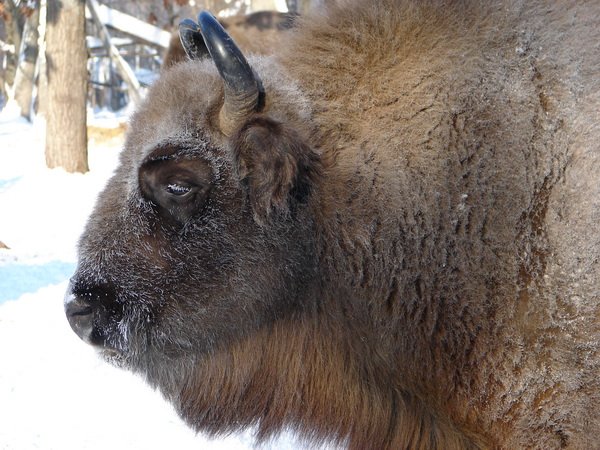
{"x":55,"y":393}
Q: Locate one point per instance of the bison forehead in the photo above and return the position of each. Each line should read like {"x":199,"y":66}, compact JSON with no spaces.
{"x":183,"y":103}
{"x":176,"y":107}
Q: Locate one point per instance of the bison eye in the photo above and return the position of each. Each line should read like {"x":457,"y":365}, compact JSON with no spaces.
{"x":179,"y":188}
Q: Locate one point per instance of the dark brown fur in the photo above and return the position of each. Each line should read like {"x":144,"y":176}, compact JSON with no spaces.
{"x":401,"y":250}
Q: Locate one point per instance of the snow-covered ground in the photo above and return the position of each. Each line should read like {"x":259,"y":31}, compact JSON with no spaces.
{"x":54,"y":392}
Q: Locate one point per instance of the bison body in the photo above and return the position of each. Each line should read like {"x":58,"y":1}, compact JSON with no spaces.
{"x":395,"y":246}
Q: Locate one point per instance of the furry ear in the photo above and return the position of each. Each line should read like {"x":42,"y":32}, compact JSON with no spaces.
{"x":277,"y":166}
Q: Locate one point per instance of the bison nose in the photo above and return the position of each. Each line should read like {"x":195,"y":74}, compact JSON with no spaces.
{"x":92,"y":312}
{"x":80,"y":315}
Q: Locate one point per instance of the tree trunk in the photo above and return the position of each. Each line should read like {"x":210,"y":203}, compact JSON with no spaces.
{"x":66,"y":60}
{"x":28,"y":54}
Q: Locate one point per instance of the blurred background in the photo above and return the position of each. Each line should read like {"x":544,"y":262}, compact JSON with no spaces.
{"x":71,"y":72}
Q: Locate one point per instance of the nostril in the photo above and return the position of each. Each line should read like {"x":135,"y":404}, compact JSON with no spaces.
{"x":79,"y":311}
{"x":75,"y":306}
{"x":80,"y":315}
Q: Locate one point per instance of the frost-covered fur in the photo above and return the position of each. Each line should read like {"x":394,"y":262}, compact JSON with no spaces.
{"x":401,"y":250}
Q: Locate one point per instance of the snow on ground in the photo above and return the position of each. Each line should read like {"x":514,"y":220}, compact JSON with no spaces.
{"x":54,"y":392}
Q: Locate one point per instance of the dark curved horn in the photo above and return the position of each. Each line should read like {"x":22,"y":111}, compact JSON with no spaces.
{"x":191,"y":39}
{"x":242,"y":88}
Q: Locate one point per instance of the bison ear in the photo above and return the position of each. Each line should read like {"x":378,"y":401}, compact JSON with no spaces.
{"x":276,"y":165}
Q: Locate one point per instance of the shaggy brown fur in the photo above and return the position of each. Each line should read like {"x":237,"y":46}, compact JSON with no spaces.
{"x":401,"y":250}
{"x":259,"y":32}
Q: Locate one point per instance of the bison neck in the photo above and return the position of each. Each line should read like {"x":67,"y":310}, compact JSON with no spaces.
{"x":307,"y":375}
{"x":420,"y":216}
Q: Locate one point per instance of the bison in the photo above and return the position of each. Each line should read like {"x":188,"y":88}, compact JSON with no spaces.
{"x":383,"y":236}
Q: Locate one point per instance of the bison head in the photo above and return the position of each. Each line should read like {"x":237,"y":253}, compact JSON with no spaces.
{"x":204,"y":233}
